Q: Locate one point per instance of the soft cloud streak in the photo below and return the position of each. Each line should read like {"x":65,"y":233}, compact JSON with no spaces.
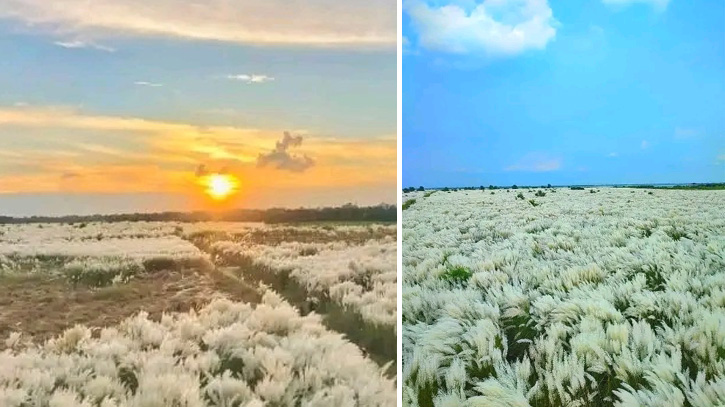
{"x":659,"y":5}
{"x":536,"y":162}
{"x":149,"y":84}
{"x":316,"y":22}
{"x":249,"y":79}
{"x":78,"y":44}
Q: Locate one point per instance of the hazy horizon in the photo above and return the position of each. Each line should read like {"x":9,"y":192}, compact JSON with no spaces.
{"x":79,"y":204}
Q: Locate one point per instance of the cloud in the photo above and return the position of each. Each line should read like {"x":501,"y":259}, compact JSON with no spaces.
{"x":129,"y":154}
{"x":312,"y":23}
{"x":659,"y":5}
{"x":70,"y":175}
{"x":251,"y":78}
{"x":645,"y":144}
{"x":78,"y":44}
{"x":613,"y":154}
{"x":536,"y":162}
{"x":721,"y":157}
{"x":685,"y":133}
{"x":149,"y":84}
{"x":494,"y":27}
{"x":282,"y":159}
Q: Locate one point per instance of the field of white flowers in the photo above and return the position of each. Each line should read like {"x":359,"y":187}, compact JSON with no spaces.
{"x":227,"y":353}
{"x":565,"y":298}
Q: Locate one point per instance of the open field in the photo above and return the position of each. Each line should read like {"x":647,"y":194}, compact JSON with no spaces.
{"x":561,"y":297}
{"x":197,"y":314}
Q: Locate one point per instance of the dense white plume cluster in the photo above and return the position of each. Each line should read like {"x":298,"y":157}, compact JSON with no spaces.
{"x":96,"y":252}
{"x":579,"y":298}
{"x":361,"y":277}
{"x":229,"y":354}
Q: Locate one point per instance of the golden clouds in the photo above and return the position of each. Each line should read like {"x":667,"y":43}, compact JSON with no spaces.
{"x":93,"y":153}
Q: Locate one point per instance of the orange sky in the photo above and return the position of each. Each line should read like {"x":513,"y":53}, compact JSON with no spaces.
{"x":61,"y":150}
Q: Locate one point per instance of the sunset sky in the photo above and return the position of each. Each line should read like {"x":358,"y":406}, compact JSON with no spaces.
{"x":121,"y":105}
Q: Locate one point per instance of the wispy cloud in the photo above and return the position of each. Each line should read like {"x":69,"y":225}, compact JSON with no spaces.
{"x":536,"y":162}
{"x":78,"y":44}
{"x":613,"y":154}
{"x":249,"y":79}
{"x":148,"y":84}
{"x":492,"y":27}
{"x":682,"y":133}
{"x":313,"y":22}
{"x":660,"y":5}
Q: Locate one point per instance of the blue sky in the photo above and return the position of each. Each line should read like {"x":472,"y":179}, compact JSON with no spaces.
{"x":529,"y":92}
{"x":109,"y":106}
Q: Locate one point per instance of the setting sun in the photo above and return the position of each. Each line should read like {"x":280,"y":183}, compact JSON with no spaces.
{"x":220,"y":186}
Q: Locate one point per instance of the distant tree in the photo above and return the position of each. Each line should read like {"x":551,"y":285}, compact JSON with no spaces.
{"x":491,"y":187}
{"x":421,"y":188}
{"x":548,"y":185}
{"x":482,"y":188}
{"x":514,"y":187}
{"x":445,"y":189}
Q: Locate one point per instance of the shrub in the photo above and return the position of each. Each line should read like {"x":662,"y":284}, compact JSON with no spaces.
{"x":408,"y":203}
{"x":520,"y":196}
{"x":533,"y":203}
{"x":540,"y":193}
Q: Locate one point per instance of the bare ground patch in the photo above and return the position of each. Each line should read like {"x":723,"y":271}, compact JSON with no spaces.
{"x":42,"y":306}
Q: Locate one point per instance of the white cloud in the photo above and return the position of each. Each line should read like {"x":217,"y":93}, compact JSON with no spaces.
{"x":645,"y":144}
{"x":78,"y":44}
{"x":613,"y":154}
{"x":251,"y":78}
{"x":149,"y":84}
{"x":536,"y":162}
{"x":312,"y":22}
{"x":684,"y":133}
{"x":494,"y":27}
{"x":660,"y":5}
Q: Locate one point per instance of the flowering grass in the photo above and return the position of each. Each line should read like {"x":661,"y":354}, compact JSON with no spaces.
{"x":607,"y":299}
{"x":229,"y":354}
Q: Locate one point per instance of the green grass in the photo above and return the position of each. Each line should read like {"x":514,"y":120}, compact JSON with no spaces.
{"x":408,"y":203}
{"x":457,"y":274}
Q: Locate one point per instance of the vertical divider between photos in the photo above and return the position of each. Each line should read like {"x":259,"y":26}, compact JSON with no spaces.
{"x":399,"y":194}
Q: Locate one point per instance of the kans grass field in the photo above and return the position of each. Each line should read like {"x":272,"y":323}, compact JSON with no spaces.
{"x":149,"y":314}
{"x":560,"y":297}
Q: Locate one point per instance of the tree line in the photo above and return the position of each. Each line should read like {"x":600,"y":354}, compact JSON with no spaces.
{"x":345,"y":213}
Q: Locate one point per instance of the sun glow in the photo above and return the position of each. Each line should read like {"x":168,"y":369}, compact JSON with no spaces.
{"x":221,"y":186}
